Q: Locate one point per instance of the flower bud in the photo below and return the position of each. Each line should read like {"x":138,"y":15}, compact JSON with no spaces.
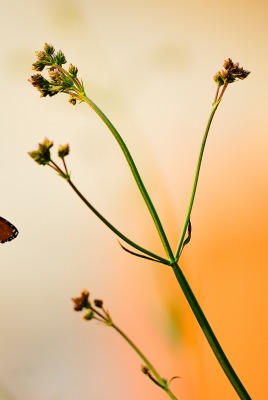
{"x":73,"y":71}
{"x":42,"y":154}
{"x":82,"y":301}
{"x":98,"y":303}
{"x":63,"y":151}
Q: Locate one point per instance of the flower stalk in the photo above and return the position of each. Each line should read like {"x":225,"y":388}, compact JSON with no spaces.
{"x":98,"y":313}
{"x":43,"y":157}
{"x":196,"y":177}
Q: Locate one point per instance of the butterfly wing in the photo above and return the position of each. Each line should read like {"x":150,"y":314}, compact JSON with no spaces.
{"x":7,"y":231}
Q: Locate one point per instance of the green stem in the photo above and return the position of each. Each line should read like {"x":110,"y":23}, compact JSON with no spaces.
{"x":199,"y":162}
{"x":162,"y":383}
{"x":135,"y":174}
{"x":200,"y":316}
{"x":116,"y":231}
{"x":208,"y":332}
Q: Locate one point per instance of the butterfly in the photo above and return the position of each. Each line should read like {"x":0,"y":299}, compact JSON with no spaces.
{"x":7,"y":231}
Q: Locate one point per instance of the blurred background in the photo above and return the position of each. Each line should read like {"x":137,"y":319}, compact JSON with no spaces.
{"x":149,"y":66}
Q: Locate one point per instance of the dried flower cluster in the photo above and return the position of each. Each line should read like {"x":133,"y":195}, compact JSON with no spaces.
{"x":42,"y":155}
{"x":82,"y":302}
{"x":231,"y":73}
{"x":61,"y":80}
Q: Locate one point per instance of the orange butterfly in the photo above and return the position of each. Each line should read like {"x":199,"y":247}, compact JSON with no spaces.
{"x":7,"y":231}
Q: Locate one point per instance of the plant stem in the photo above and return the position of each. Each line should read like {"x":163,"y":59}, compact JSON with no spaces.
{"x":116,"y":231}
{"x":162,"y":383}
{"x":200,"y":316}
{"x":135,"y":174}
{"x":199,"y":162}
{"x":209,"y":334}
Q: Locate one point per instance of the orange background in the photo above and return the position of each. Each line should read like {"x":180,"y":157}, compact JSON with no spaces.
{"x":149,"y":66}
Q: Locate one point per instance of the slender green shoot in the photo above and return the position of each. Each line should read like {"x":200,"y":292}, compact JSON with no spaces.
{"x":98,"y":313}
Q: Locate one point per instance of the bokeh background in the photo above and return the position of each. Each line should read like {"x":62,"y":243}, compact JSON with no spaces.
{"x":149,"y":66}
